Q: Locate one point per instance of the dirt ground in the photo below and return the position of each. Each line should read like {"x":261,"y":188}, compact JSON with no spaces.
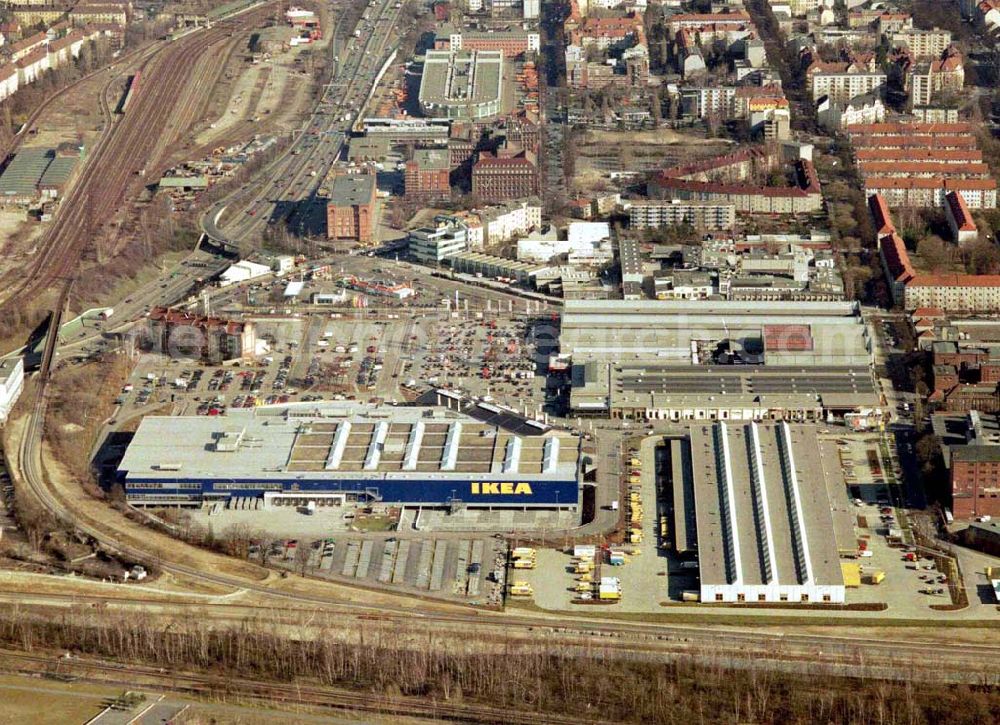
{"x":599,"y":154}
{"x":275,"y":92}
{"x":45,"y":702}
{"x":659,"y":137}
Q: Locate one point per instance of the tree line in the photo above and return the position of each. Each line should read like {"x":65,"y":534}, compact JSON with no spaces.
{"x":585,"y":681}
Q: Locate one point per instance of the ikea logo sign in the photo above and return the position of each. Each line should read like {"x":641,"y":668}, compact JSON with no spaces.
{"x":505,"y":488}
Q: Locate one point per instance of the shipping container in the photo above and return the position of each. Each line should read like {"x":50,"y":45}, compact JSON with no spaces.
{"x":524,"y":563}
{"x":587,"y":551}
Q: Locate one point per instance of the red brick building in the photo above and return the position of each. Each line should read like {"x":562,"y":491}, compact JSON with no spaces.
{"x":350,"y":213}
{"x":427,"y":175}
{"x":182,"y":334}
{"x":504,"y":176}
{"x":975,"y":481}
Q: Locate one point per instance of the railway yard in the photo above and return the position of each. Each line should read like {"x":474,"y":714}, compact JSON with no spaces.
{"x":502,"y":461}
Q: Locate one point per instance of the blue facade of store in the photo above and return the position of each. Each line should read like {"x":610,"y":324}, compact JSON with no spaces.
{"x":429,"y":492}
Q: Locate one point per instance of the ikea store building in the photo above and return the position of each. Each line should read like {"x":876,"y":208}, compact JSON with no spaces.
{"x":346,"y":454}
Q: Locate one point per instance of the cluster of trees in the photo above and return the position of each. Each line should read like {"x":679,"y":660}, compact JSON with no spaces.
{"x":80,"y":401}
{"x":506,"y":676}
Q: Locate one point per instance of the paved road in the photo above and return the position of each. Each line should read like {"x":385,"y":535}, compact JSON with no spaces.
{"x":287,"y":191}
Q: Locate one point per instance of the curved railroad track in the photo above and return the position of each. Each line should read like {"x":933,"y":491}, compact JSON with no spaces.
{"x":119,"y":159}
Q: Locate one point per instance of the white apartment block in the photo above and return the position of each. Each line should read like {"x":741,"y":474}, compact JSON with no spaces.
{"x":713,"y":101}
{"x":503,"y":223}
{"x":798,"y":8}
{"x":8,"y":81}
{"x":931,"y":192}
{"x":955,"y":292}
{"x":704,"y":215}
{"x":922,"y":44}
{"x":860,"y":110}
{"x":842,"y":87}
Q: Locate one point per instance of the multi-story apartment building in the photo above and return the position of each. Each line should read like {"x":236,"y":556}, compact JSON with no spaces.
{"x":728,"y":179}
{"x":708,"y":101}
{"x":960,"y":221}
{"x":927,"y":192}
{"x":921,"y":44}
{"x":929,"y":81}
{"x":103,"y":14}
{"x":505,"y":222}
{"x":700,"y":215}
{"x":917,"y":164}
{"x":859,"y":110}
{"x":842,"y":87}
{"x":970,"y":293}
{"x":11,"y":384}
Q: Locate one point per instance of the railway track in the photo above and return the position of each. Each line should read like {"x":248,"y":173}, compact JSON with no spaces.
{"x":298,"y":694}
{"x":120,"y":157}
{"x":122,"y":61}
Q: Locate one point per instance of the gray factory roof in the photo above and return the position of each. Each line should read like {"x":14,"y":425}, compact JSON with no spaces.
{"x":432,"y":158}
{"x":352,"y":189}
{"x":762,"y":505}
{"x":335,"y":441}
{"x":59,"y":171}
{"x":643,"y":309}
{"x":461,"y":77}
{"x":630,"y":258}
{"x":675,"y":332}
{"x":668,"y":386}
{"x":7,"y":366}
{"x":22,"y":175}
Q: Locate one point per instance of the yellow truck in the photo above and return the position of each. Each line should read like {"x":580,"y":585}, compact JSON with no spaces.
{"x":609,"y":594}
{"x":521,"y":589}
{"x":635,"y":536}
{"x":583,"y":567}
{"x":635,"y":463}
{"x":524,"y":563}
{"x":583,"y":587}
{"x":523,"y":552}
{"x":874,"y":577}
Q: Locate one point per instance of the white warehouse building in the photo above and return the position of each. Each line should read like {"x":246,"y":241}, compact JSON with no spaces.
{"x":11,"y":384}
{"x":765,"y":528}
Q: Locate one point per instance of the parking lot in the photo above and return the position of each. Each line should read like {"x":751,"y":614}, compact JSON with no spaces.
{"x":467,"y":569}
{"x":324,"y":356}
